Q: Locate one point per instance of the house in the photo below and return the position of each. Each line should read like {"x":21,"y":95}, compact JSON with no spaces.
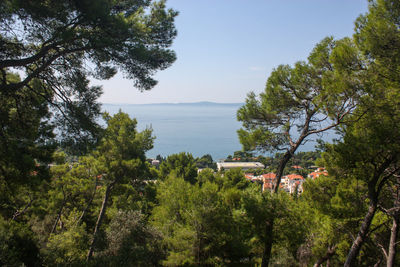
{"x":297,"y":167}
{"x":290,"y":183}
{"x":155,"y":162}
{"x":249,"y":176}
{"x":268,"y":181}
{"x":289,"y":179}
{"x":317,"y":173}
{"x":269,"y":176}
{"x":267,"y":186}
{"x":295,"y":185}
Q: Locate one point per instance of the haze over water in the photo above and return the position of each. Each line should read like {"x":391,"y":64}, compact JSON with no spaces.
{"x":198,"y":128}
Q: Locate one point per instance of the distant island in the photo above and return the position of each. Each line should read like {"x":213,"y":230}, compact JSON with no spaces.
{"x":200,"y":103}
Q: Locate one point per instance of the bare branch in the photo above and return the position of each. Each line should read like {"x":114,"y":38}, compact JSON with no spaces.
{"x":383,"y":250}
{"x":46,"y":64}
{"x":20,"y":212}
{"x":318,"y":121}
{"x":46,"y":47}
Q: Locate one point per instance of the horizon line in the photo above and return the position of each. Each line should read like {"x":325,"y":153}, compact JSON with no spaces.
{"x":176,"y":103}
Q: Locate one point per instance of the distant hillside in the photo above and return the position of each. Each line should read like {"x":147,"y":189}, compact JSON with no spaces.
{"x":202,"y":103}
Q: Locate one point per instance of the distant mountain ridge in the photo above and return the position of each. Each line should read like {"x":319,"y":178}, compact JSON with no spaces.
{"x":200,"y":103}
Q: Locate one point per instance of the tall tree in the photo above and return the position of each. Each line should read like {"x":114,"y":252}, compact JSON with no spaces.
{"x":25,"y":147}
{"x":307,"y":99}
{"x":335,"y":205}
{"x":62,"y":43}
{"x":370,"y":152}
{"x":121,"y":156}
{"x":131,"y":242}
{"x":203,"y":224}
{"x":288,"y":237}
{"x":378,"y":38}
{"x":73,"y":188}
{"x":390,"y":206}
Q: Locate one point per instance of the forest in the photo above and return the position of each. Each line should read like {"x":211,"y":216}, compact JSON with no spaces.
{"x":76,"y":192}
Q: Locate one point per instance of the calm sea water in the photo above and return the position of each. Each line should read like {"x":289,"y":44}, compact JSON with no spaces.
{"x":198,"y":128}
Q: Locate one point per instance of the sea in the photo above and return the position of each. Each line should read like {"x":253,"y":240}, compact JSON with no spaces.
{"x":197,"y":128}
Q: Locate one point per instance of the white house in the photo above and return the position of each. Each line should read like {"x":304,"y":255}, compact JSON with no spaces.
{"x":242,"y":165}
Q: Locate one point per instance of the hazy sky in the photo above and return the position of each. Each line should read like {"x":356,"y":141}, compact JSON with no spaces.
{"x":226,"y":48}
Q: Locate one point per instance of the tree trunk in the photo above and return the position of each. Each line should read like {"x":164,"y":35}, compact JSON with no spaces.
{"x":378,"y":263}
{"x":99,"y":221}
{"x":269,"y":225}
{"x":362,"y":234}
{"x":374,"y":188}
{"x":395,"y":227}
{"x":279,"y":173}
{"x":89,"y":203}
{"x":331,"y":251}
{"x":392,"y":244}
{"x":282,"y":164}
{"x":58,"y":216}
{"x":268,"y":239}
{"x":19,"y":213}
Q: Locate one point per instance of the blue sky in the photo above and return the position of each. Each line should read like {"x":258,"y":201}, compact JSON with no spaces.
{"x":227,"y":48}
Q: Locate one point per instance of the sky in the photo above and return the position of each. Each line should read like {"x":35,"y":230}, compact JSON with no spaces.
{"x":227,"y":48}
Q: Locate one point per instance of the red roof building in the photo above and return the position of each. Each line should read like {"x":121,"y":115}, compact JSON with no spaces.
{"x":268,"y":180}
{"x":294,"y":177}
{"x":269,"y":175}
{"x":297,"y":167}
{"x":249,"y":176}
{"x":317,"y":174}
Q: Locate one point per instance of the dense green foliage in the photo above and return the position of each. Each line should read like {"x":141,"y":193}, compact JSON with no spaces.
{"x":110,"y":207}
{"x":353,"y":85}
{"x":57,"y":45}
{"x":182,"y":164}
{"x":298,"y":103}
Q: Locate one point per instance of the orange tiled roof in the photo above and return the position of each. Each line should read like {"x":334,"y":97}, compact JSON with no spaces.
{"x":249,"y":175}
{"x":294,"y":177}
{"x":317,"y":174}
{"x":270,"y":175}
